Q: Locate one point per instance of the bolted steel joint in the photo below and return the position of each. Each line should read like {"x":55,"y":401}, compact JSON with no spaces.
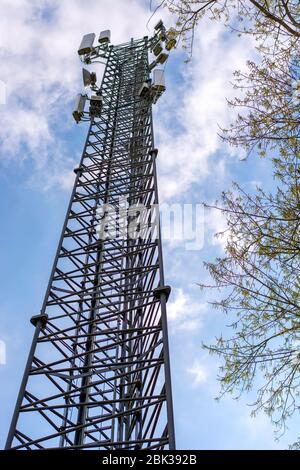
{"x":153,"y":153}
{"x":42,"y":318}
{"x":78,"y":170}
{"x":162,"y":290}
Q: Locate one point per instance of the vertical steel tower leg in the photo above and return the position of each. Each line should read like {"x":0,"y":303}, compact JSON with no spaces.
{"x":98,"y":371}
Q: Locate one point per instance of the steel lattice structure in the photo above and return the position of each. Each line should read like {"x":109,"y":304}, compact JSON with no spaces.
{"x":98,"y":372}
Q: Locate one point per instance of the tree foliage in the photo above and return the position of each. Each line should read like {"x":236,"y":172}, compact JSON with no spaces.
{"x":276,"y":20}
{"x":268,"y":107}
{"x":259,"y":276}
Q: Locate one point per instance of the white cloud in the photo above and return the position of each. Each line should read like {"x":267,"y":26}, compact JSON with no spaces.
{"x":2,"y":352}
{"x":255,"y":184}
{"x":184,"y":313}
{"x":188,"y":124}
{"x":41,"y":74}
{"x":198,"y":372}
{"x":216,"y":232}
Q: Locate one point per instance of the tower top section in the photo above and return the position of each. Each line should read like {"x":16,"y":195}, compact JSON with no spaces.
{"x":159,"y":46}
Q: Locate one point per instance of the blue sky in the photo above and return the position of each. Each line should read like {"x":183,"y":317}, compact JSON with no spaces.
{"x":39,"y":147}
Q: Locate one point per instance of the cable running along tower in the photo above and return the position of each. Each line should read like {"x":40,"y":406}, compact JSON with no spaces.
{"x":98,"y":372}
